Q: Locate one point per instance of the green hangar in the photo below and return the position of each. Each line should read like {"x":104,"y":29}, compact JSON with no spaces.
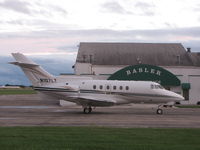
{"x":170,"y":64}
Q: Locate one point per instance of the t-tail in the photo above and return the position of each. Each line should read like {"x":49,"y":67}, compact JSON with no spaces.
{"x":36,"y":74}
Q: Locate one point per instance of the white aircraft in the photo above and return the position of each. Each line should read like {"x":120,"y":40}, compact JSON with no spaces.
{"x":91,"y":93}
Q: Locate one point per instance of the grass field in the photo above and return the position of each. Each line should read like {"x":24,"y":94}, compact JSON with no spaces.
{"x":95,"y":138}
{"x":17,"y":91}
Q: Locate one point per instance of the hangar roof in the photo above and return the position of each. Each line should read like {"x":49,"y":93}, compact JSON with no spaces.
{"x":160,"y":54}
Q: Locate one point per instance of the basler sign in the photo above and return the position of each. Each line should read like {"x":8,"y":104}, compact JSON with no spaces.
{"x":144,"y":72}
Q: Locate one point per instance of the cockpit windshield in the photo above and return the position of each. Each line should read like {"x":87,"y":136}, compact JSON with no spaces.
{"x":156,"y":86}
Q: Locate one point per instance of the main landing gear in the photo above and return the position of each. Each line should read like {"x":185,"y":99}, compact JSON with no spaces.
{"x":87,"y":110}
{"x":159,"y":111}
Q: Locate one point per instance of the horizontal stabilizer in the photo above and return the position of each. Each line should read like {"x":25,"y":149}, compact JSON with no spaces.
{"x":23,"y":64}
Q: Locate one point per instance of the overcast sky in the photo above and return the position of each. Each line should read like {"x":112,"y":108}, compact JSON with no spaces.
{"x":53,"y":28}
{"x":57,"y":26}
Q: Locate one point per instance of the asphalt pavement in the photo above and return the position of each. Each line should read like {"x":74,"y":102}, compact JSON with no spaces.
{"x":31,"y":110}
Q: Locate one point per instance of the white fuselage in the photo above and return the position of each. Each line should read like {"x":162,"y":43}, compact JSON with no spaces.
{"x":87,"y":92}
{"x":110,"y":92}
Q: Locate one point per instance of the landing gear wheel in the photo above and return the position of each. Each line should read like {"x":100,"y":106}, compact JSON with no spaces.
{"x":159,"y":111}
{"x":87,"y":110}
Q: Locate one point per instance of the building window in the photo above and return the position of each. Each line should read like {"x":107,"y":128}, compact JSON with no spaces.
{"x":121,"y":87}
{"x":101,"y":87}
{"x":107,"y":87}
{"x":114,"y":87}
{"x":94,"y":86}
{"x":127,"y":88}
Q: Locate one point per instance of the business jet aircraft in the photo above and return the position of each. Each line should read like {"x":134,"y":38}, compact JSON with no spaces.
{"x":91,"y":93}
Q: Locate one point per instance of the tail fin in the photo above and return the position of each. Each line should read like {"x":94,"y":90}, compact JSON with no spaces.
{"x":36,"y":74}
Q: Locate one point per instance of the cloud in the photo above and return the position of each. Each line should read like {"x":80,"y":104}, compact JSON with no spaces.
{"x":37,"y":16}
{"x":16,"y":5}
{"x":35,"y":9}
{"x":114,"y":7}
{"x":15,"y":22}
{"x":51,"y":42}
{"x":144,"y":5}
{"x":68,"y":48}
{"x":48,"y":10}
{"x":196,"y":8}
{"x":140,"y":8}
{"x":146,"y":9}
{"x":58,"y":9}
{"x":193,"y":32}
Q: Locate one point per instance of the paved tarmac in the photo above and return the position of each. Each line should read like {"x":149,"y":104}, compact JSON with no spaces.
{"x":31,"y":110}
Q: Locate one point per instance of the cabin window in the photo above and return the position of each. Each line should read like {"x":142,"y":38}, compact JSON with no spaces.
{"x":153,"y":86}
{"x":101,"y":87}
{"x":127,"y":88}
{"x":160,"y":87}
{"x":94,"y":86}
{"x":107,"y":87}
{"x":67,"y":83}
{"x":114,"y":87}
{"x":121,"y":87}
{"x":156,"y":86}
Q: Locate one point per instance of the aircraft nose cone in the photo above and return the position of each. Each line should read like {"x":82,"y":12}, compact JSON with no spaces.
{"x":179,"y":97}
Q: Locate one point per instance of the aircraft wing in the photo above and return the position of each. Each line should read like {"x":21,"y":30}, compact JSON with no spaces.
{"x":93,"y":101}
